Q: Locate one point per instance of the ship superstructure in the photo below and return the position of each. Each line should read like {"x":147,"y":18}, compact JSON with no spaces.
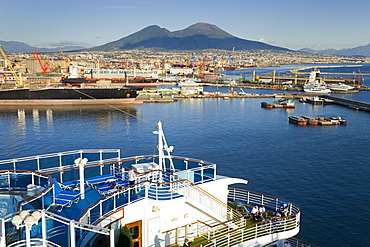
{"x":85,"y":198}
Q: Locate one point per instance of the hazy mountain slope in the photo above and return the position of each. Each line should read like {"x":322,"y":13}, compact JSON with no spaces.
{"x":197,"y":36}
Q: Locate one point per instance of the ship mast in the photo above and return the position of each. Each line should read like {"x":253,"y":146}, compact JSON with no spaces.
{"x":162,"y":146}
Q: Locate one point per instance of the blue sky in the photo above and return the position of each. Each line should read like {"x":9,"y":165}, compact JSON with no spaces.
{"x":293,"y":24}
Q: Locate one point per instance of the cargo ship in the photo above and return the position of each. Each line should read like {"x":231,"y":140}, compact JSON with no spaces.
{"x":135,"y":82}
{"x":112,"y":77}
{"x":69,"y":93}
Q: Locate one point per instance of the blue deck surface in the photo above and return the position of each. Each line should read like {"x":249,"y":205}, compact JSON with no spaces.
{"x":75,"y":210}
{"x":92,"y":195}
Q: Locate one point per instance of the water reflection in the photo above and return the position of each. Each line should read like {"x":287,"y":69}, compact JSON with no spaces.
{"x":36,"y":120}
{"x":44,"y":116}
{"x":21,"y":123}
{"x":49,"y":118}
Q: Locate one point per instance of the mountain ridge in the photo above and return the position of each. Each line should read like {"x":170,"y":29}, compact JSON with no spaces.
{"x":202,"y":28}
{"x":197,"y":36}
{"x":356,"y":51}
{"x":22,"y":47}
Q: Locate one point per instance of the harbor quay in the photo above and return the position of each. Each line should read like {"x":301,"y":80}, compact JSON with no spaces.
{"x":282,"y":98}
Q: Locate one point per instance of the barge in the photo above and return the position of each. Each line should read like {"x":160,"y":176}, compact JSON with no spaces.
{"x":297,"y":120}
{"x":304,"y":120}
{"x":286,"y":104}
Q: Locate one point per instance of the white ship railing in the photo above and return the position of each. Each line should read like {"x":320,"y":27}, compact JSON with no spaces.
{"x":123,"y":197}
{"x":60,"y":161}
{"x":149,"y":185}
{"x":229,"y":216}
{"x":294,"y":242}
{"x":37,"y":186}
{"x":49,"y":230}
{"x":34,"y":242}
{"x":268,"y":229}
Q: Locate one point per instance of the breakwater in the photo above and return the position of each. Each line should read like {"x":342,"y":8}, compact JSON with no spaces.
{"x":353,"y":104}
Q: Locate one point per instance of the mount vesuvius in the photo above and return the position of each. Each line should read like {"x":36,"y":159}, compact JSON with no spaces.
{"x":194,"y":37}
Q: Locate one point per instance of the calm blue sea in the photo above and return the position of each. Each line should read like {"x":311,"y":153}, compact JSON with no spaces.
{"x":322,"y":169}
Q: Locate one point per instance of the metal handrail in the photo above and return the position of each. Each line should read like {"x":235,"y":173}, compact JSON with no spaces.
{"x":37,"y":158}
{"x":229,"y":237}
{"x":46,"y":215}
{"x":34,"y":242}
{"x":36,"y":196}
{"x":294,"y":242}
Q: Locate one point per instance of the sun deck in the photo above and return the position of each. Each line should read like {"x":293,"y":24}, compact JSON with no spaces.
{"x":105,"y":184}
{"x":78,"y":193}
{"x":100,"y":199}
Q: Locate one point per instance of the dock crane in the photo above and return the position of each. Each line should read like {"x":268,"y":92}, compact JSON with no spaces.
{"x":297,"y":72}
{"x":18,"y":78}
{"x":64,"y":57}
{"x":44,"y":64}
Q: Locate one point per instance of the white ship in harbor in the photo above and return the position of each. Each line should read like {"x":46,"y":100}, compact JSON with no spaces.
{"x":121,"y":73}
{"x":340,"y":87}
{"x":314,"y":85}
{"x":87,"y":198}
{"x":112,"y":77}
{"x":189,"y":82}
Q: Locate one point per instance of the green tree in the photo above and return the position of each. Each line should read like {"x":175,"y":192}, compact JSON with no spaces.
{"x":125,"y":238}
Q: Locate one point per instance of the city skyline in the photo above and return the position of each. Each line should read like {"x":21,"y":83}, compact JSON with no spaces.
{"x":289,"y":24}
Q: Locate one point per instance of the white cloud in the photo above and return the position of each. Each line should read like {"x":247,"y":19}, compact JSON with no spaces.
{"x":67,"y":43}
{"x":270,"y":42}
{"x":62,"y":43}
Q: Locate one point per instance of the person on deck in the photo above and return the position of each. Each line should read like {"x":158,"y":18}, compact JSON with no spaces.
{"x":131,"y":179}
{"x":262,"y":211}
{"x":255,"y":212}
{"x":287,"y":244}
{"x":187,"y":243}
{"x":284,"y":209}
{"x":131,"y":176}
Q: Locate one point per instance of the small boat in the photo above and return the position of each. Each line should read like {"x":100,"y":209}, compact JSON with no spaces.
{"x":311,"y":120}
{"x":303,"y":100}
{"x":324,"y":121}
{"x":267,"y":105}
{"x":334,"y":121}
{"x":342,"y":121}
{"x":315,"y":100}
{"x":297,"y":120}
{"x":338,"y":120}
{"x":288,"y":104}
{"x":327,"y":101}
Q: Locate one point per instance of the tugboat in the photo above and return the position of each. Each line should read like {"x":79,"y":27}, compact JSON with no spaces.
{"x":297,"y":120}
{"x":267,"y":105}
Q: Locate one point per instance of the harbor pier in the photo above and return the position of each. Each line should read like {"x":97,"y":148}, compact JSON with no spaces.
{"x":357,"y":105}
